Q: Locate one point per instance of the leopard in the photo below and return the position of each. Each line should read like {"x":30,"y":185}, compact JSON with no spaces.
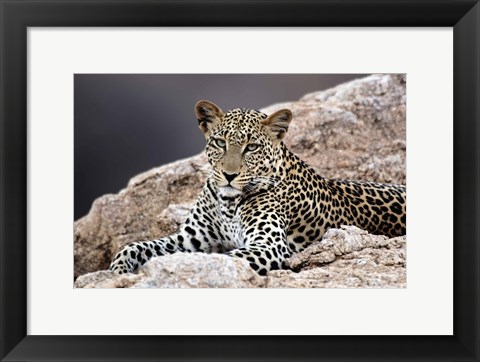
{"x":261,"y":202}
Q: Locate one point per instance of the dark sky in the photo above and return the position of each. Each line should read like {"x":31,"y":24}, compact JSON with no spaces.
{"x":128,"y":123}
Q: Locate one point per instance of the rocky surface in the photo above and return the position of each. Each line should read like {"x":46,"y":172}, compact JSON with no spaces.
{"x":356,"y":130}
{"x":198,"y":270}
{"x":153,"y":205}
{"x":345,"y":258}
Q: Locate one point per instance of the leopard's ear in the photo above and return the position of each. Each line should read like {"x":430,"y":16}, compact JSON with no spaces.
{"x":277,"y":123}
{"x":208,"y":115}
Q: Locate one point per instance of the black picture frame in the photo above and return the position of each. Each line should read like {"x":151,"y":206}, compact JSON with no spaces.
{"x":17,"y":15}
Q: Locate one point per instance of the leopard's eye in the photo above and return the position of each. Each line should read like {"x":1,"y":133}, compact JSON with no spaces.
{"x":252,"y":147}
{"x":220,"y":143}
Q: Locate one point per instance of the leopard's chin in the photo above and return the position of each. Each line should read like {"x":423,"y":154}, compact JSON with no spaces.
{"x":229,"y":191}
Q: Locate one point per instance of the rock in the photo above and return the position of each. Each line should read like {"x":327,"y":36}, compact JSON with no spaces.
{"x":106,"y":279}
{"x":355,"y":131}
{"x":144,"y":210}
{"x":346,"y":258}
{"x":181,"y":270}
{"x":337,"y":242}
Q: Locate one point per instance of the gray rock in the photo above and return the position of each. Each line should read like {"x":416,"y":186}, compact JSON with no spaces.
{"x":181,"y":270}
{"x":346,"y":258}
{"x":136,"y":213}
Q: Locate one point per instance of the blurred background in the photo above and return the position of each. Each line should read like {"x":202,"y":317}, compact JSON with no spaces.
{"x":125,"y":124}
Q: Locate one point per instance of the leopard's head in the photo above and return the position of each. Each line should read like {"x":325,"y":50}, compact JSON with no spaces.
{"x":243,"y":146}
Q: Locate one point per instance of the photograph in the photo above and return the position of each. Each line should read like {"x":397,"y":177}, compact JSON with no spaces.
{"x":240,"y":180}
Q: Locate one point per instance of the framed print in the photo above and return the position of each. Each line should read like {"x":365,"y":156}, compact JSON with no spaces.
{"x":50,"y":49}
{"x":371,"y":146}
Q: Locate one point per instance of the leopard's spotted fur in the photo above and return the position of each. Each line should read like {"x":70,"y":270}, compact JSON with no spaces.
{"x":262,"y":203}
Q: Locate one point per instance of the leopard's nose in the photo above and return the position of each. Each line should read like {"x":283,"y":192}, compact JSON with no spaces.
{"x":230,"y":177}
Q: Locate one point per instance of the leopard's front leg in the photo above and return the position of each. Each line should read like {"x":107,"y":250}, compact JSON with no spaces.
{"x":135,"y":254}
{"x":265,"y":241}
{"x":192,"y":236}
{"x":263,"y":256}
